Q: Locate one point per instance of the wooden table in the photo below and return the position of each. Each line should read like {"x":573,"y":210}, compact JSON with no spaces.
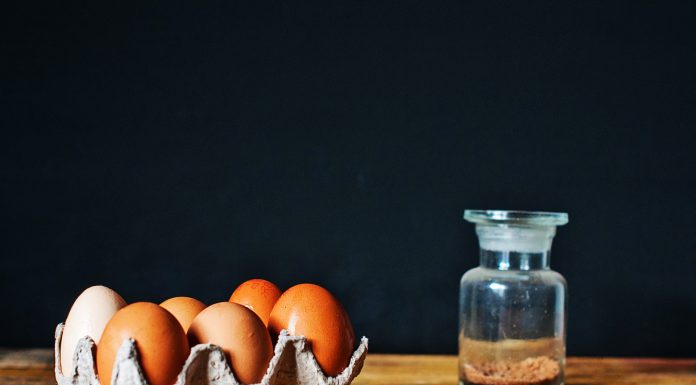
{"x":35,"y":366}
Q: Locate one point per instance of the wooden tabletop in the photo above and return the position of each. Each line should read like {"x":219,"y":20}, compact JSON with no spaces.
{"x":35,"y":366}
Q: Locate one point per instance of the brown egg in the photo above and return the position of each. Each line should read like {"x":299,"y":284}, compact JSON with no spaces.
{"x":240,"y":333}
{"x":159,"y":339}
{"x":184,"y":309}
{"x":311,"y":311}
{"x":258,"y":295}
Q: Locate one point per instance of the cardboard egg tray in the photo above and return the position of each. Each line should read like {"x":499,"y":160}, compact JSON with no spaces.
{"x":293,"y":363}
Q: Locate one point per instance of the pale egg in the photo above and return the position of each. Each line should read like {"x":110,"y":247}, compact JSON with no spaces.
{"x":88,"y":316}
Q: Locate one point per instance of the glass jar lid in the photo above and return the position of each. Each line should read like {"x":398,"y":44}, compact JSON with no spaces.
{"x":516,"y":217}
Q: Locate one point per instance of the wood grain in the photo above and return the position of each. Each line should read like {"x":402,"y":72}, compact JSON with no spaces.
{"x":35,"y":366}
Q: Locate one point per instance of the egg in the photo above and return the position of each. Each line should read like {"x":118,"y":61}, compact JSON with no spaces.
{"x":87,"y":317}
{"x":159,"y":340}
{"x":240,"y":333}
{"x":184,"y":309}
{"x":312,"y":311}
{"x":258,"y":295}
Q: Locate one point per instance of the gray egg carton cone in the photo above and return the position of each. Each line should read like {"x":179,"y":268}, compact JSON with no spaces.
{"x":293,"y":363}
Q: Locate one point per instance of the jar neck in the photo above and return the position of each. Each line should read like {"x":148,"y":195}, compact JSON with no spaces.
{"x":514,"y":260}
{"x":515,"y":247}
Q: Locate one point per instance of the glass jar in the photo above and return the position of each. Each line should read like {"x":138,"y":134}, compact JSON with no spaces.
{"x":512,"y":307}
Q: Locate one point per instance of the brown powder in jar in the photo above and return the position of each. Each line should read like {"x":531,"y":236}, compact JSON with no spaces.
{"x":531,"y":371}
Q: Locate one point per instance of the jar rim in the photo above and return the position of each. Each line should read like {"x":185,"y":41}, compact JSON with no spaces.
{"x":516,"y":217}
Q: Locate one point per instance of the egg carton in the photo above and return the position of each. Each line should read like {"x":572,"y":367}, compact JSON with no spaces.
{"x":293,"y":363}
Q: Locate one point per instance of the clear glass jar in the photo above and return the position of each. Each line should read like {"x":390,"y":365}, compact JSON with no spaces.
{"x":512,"y":307}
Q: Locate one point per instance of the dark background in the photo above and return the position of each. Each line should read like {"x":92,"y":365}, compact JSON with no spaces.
{"x":167,"y":148}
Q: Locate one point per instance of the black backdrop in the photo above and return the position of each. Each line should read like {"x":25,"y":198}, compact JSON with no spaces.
{"x":168,"y":148}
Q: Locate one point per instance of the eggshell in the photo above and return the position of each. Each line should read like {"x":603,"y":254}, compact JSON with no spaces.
{"x":159,"y":339}
{"x":311,"y":311}
{"x":258,"y":295}
{"x":184,"y":309}
{"x":87,"y":317}
{"x":240,"y":333}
